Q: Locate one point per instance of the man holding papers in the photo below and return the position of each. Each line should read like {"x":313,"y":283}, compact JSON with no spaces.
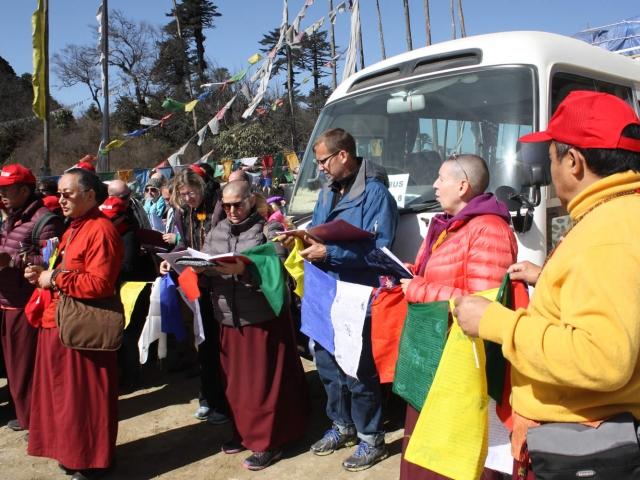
{"x":467,"y":250}
{"x":358,"y":194}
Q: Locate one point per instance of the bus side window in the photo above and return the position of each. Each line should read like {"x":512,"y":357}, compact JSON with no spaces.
{"x":563,"y":84}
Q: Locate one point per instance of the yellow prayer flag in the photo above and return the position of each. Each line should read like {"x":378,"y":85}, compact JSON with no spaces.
{"x":227,"y":169}
{"x":190,"y":106}
{"x":124,"y":175}
{"x":295,"y":266}
{"x":452,"y":434}
{"x":38,"y":79}
{"x":114,"y":144}
{"x":129,"y":293}
{"x":255,"y":59}
{"x":292,"y":160}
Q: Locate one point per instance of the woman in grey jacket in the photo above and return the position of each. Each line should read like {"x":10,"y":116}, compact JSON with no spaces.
{"x":265,"y":385}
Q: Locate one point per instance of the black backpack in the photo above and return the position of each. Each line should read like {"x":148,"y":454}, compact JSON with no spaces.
{"x":39,"y":227}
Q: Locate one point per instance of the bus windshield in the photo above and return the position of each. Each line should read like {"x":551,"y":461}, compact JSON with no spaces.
{"x":411,"y":128}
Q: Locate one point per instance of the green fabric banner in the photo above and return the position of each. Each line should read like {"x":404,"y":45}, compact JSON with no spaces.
{"x":268,"y":272}
{"x":239,"y":76}
{"x":173,"y":105}
{"x":38,"y":78}
{"x":106,"y":176}
{"x":421,"y":345}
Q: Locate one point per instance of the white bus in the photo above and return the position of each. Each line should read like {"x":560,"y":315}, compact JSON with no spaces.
{"x":471,"y":95}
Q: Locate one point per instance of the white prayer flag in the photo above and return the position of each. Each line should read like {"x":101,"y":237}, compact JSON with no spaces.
{"x":350,"y":63}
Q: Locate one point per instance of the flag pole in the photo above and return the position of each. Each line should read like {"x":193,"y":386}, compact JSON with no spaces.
{"x":46,"y":168}
{"x":103,"y":162}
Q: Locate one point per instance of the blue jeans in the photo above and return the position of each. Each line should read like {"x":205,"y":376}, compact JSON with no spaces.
{"x":354,"y":406}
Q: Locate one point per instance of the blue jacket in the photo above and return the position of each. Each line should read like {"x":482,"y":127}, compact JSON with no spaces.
{"x":369,"y":206}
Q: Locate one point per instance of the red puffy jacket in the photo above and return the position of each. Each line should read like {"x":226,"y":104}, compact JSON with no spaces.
{"x":472,"y":259}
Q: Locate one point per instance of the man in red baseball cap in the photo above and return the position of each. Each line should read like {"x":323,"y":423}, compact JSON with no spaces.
{"x":574,"y":351}
{"x":26,"y":213}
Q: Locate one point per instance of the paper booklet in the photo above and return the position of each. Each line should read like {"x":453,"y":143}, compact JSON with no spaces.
{"x":397,"y":260}
{"x":335,"y":231}
{"x":152,"y":240}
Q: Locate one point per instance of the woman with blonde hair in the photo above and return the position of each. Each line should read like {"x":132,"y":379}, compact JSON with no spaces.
{"x":197,"y":212}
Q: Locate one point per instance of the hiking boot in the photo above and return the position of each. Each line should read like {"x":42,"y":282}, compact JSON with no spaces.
{"x":261,"y":460}
{"x":216,"y":418}
{"x":333,"y":440}
{"x":202,"y":413}
{"x":14,"y":425}
{"x":366,"y":456}
{"x":232,"y":447}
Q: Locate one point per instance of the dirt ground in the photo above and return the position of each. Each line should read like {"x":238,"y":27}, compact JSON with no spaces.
{"x":159,"y":438}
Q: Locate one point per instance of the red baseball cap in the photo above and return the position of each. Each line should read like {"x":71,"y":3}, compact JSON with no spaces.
{"x":14,"y":173}
{"x":590,"y":120}
{"x":85,"y":166}
{"x":113,"y":207}
{"x":198,"y":170}
{"x":51,"y":202}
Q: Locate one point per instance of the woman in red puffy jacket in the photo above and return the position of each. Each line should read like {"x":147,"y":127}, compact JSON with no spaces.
{"x":467,"y":250}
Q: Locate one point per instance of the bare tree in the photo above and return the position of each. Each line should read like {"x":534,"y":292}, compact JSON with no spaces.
{"x":453,"y":20}
{"x":407,"y":23}
{"x":76,"y":64}
{"x":427,"y":19}
{"x":462,"y":29}
{"x":384,"y":55}
{"x":133,"y":50}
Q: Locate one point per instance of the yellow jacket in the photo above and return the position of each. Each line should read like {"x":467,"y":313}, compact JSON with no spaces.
{"x":574,"y":351}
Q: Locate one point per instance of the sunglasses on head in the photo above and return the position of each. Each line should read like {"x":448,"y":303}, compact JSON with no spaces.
{"x":227,"y":206}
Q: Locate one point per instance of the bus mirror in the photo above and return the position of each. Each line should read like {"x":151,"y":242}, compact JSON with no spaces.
{"x":535,"y":164}
{"x":404,"y":104}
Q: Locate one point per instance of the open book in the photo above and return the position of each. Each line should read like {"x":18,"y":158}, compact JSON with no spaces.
{"x":335,"y":231}
{"x":212,"y":260}
{"x":397,"y":260}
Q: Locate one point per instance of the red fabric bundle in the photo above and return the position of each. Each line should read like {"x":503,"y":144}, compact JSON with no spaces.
{"x":188,"y":280}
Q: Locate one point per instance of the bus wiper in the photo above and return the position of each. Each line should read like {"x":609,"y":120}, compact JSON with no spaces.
{"x":420,"y":207}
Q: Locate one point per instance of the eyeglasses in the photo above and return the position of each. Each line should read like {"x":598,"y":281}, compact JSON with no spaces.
{"x":67,"y":195}
{"x":454,"y":156}
{"x":227,"y":206}
{"x":149,"y":189}
{"x":188,"y":195}
{"x":322,"y":161}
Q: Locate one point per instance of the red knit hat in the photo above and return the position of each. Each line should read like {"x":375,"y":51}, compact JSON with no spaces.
{"x":590,"y":120}
{"x":113,"y":207}
{"x":14,"y":173}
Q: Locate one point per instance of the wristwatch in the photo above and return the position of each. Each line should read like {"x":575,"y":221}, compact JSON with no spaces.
{"x":52,"y":280}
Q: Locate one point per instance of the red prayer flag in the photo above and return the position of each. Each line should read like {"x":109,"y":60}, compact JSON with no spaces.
{"x":188,"y":280}
{"x":267,"y":166}
{"x":388,"y":313}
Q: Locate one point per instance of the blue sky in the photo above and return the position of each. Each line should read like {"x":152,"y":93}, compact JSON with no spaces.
{"x":243,"y":23}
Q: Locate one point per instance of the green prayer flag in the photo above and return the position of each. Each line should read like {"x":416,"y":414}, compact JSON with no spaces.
{"x":239,"y":76}
{"x":38,"y":78}
{"x":106,"y":176}
{"x":496,"y":366}
{"x":421,"y":346}
{"x":278,"y":162}
{"x":289,"y":177}
{"x":268,"y":272}
{"x":173,"y":105}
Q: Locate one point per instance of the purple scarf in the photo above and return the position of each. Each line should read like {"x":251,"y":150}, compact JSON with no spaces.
{"x":485,"y":204}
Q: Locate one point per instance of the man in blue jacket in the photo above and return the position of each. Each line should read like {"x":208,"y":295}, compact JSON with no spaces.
{"x":357,"y":193}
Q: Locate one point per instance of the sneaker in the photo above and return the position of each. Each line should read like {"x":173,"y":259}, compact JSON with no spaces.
{"x":366,"y":456}
{"x":261,"y":460}
{"x":202,"y":413}
{"x":232,"y":447}
{"x":333,"y":440}
{"x":217,"y":418}
{"x":14,"y":425}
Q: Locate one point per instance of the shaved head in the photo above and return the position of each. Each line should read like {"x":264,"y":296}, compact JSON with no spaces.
{"x":472,"y":168}
{"x":242,"y":176}
{"x":237,"y":187}
{"x":118,"y":188}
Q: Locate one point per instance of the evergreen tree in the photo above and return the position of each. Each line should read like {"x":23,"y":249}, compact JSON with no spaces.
{"x":194,"y":17}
